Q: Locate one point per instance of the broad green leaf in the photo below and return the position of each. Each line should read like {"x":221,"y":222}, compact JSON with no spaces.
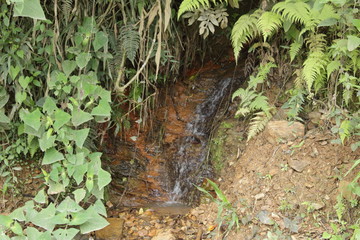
{"x":104,"y":178}
{"x":33,"y":233}
{"x":79,"y":195}
{"x":82,"y":59}
{"x":68,"y":67}
{"x":29,"y":8}
{"x":79,"y":173}
{"x":4,"y":118}
{"x":61,"y":118}
{"x":95,"y":222}
{"x":31,"y":131}
{"x":79,"y":136}
{"x":49,"y":105}
{"x":18,"y":214}
{"x":6,"y":221}
{"x":51,"y":156}
{"x":79,"y":117}
{"x":105,"y":94}
{"x":69,"y":205}
{"x":16,"y":228}
{"x":65,"y":234}
{"x":356,"y":23}
{"x":40,"y":196}
{"x":14,"y":71}
{"x":89,"y":182}
{"x":4,"y":97}
{"x":103,"y":109}
{"x":20,"y":97}
{"x":46,"y":142}
{"x":45,"y":218}
{"x":100,"y":208}
{"x":24,"y":81}
{"x":101,"y":40}
{"x":353,"y":42}
{"x":55,"y":187}
{"x":79,"y":218}
{"x":33,"y":119}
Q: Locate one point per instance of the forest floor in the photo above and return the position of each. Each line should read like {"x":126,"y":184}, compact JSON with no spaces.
{"x":280,"y":185}
{"x":283,"y":190}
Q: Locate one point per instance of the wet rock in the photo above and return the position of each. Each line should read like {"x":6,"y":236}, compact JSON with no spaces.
{"x":166,"y":235}
{"x":297,"y":165}
{"x":281,"y":131}
{"x":113,"y":231}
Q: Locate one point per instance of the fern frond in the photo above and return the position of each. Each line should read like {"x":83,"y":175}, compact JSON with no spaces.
{"x":332,"y":66}
{"x":244,"y":30}
{"x":294,"y":104}
{"x":130,"y":41}
{"x":258,"y":123}
{"x":67,"y":6}
{"x":260,"y":103}
{"x":296,"y":11}
{"x":316,"y":42}
{"x":268,"y":23}
{"x":299,"y":80}
{"x":191,"y":5}
{"x":294,"y":49}
{"x":314,"y":65}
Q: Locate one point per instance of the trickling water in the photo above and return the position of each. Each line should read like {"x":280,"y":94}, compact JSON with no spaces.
{"x":188,"y":160}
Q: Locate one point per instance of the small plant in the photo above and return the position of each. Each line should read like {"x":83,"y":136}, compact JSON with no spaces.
{"x":285,"y":206}
{"x":227,"y":215}
{"x":284,"y":167}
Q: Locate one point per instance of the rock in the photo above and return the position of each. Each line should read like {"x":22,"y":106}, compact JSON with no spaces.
{"x":297,"y":165}
{"x":318,"y":206}
{"x":282,"y":130}
{"x":315,"y":117}
{"x":259,"y":196}
{"x":166,"y":235}
{"x":143,"y":233}
{"x":113,"y":231}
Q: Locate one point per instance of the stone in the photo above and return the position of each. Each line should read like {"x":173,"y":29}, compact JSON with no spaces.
{"x":297,"y":165}
{"x":259,"y":196}
{"x":282,"y":130}
{"x":165,"y":235}
{"x":111,"y":232}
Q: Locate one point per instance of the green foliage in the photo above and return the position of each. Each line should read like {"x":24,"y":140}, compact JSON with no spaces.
{"x":226,"y":212}
{"x":254,"y":102}
{"x":191,"y":5}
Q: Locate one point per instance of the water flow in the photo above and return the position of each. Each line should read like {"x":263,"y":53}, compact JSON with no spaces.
{"x":189,"y":159}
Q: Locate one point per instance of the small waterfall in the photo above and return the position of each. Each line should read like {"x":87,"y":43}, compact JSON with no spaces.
{"x":188,"y":161}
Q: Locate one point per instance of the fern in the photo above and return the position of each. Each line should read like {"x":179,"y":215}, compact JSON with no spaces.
{"x":296,"y":11}
{"x":67,"y":6}
{"x":294,"y":104}
{"x":130,"y":41}
{"x":258,"y":123}
{"x":244,"y":30}
{"x":314,"y":65}
{"x":268,"y":23}
{"x":191,"y":5}
{"x":294,"y":49}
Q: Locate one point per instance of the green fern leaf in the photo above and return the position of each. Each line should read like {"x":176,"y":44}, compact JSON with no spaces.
{"x":296,"y":11}
{"x":332,"y":66}
{"x":268,"y":23}
{"x":260,"y":103}
{"x":130,"y":41}
{"x":244,"y":30}
{"x":258,"y":123}
{"x":67,"y":6}
{"x":191,"y":5}
{"x":313,"y":66}
{"x":294,"y":49}
{"x":242,"y":112}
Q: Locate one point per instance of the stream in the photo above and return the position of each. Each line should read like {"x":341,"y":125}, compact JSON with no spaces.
{"x":160,"y":167}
